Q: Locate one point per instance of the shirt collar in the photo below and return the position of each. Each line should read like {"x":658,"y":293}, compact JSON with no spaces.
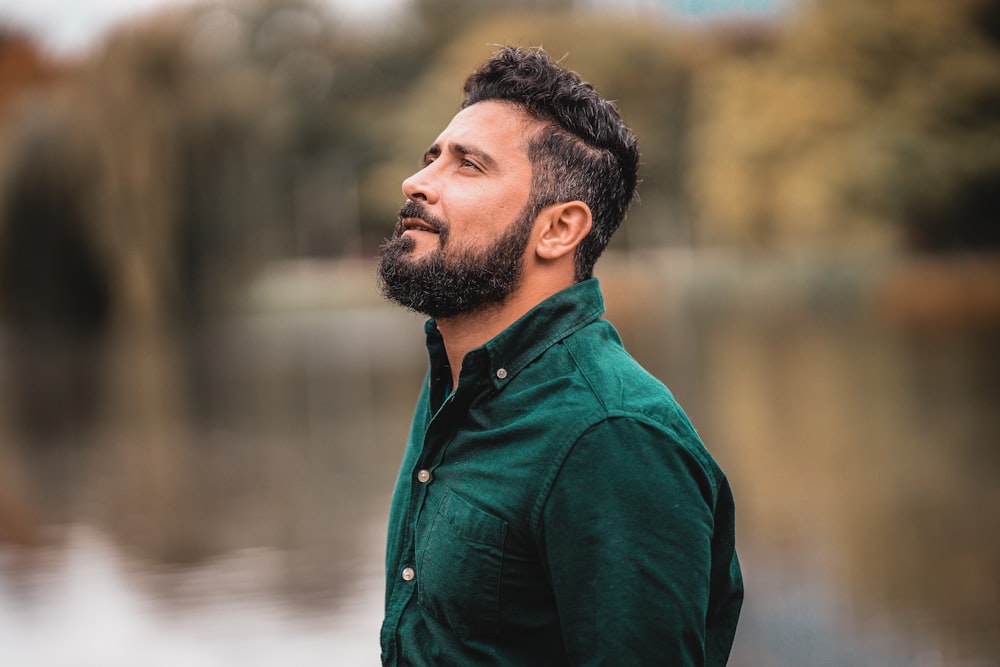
{"x":549,"y":322}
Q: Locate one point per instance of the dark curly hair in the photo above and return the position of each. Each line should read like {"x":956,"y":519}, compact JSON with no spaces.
{"x":584,"y":152}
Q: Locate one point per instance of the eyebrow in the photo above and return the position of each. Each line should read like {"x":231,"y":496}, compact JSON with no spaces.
{"x":463,"y":149}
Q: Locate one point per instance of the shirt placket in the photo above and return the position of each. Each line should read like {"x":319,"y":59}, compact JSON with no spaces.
{"x":440,"y":430}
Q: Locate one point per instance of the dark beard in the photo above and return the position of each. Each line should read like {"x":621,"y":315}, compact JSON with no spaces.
{"x":441,"y":285}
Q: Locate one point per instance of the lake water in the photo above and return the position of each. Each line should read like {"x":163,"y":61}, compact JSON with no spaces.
{"x":224,"y":503}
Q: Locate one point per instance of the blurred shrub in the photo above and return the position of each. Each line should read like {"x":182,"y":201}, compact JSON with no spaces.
{"x":859,"y":114}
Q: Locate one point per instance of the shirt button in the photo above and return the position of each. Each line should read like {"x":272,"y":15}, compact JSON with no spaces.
{"x":408,"y":574}
{"x":424,"y":476}
{"x":501,"y":373}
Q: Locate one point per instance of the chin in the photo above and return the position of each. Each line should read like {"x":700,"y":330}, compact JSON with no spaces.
{"x":398,"y":246}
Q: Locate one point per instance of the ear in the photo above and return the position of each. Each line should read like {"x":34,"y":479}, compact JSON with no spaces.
{"x":561,"y":227}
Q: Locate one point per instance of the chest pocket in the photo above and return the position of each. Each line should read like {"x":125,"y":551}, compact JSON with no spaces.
{"x":459,"y":566}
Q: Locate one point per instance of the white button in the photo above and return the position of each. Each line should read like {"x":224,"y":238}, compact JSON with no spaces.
{"x":424,"y":476}
{"x":408,"y":574}
{"x":501,"y":373}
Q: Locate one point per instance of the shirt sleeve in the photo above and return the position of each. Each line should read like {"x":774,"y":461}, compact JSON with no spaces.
{"x":627,"y":532}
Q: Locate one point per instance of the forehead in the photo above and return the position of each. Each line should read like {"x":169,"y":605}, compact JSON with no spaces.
{"x":498,"y":127}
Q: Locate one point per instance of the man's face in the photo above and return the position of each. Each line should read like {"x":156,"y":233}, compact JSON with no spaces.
{"x":460,"y":239}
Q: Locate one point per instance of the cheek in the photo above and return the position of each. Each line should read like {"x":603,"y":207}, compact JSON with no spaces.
{"x":491,"y":216}
{"x":480,"y":215}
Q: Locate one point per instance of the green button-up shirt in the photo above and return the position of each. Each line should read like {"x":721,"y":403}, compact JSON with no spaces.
{"x":557,"y":508}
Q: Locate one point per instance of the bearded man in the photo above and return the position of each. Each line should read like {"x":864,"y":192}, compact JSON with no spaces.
{"x":554,"y":505}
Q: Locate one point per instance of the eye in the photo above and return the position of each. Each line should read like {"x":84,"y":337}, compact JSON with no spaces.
{"x":466,"y":162}
{"x":428,"y":157}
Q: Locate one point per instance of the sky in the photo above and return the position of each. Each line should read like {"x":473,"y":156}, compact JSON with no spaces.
{"x":68,"y":26}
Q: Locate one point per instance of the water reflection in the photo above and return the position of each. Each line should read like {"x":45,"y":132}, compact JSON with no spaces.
{"x":222,"y":504}
{"x":88,"y":605}
{"x":861,"y":438}
{"x":862,"y":450}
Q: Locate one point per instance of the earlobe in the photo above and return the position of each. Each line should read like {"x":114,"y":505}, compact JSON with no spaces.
{"x":563,"y":227}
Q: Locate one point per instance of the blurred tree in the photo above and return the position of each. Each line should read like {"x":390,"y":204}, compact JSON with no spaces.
{"x":859,"y":114}
{"x":139,"y":197}
{"x":68,"y":297}
{"x":23,"y":68}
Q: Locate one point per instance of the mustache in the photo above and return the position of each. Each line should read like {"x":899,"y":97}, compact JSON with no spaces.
{"x":413,"y":210}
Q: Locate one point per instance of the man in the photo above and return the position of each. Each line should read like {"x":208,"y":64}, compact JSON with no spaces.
{"x":554,"y":506}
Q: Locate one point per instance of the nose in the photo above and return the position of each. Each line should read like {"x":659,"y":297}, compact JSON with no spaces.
{"x":420,"y":187}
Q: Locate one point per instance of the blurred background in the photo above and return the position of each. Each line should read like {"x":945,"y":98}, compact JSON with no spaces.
{"x":203,"y":399}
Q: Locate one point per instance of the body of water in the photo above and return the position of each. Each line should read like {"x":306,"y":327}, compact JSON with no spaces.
{"x":223,"y":502}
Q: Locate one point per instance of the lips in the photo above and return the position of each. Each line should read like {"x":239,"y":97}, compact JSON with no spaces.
{"x":417,"y":224}
{"x":414,"y":218}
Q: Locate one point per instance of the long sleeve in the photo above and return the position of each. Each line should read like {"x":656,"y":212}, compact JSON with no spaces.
{"x":627,"y":535}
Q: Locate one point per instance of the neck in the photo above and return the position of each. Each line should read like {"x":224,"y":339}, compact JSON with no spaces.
{"x":465,"y":332}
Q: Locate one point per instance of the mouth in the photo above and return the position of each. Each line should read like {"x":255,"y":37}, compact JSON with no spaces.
{"x":417,"y":225}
